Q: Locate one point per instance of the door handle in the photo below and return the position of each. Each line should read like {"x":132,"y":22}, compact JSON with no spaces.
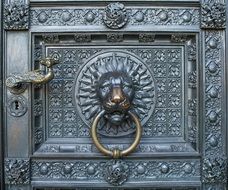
{"x":116,"y":153}
{"x":15,"y":81}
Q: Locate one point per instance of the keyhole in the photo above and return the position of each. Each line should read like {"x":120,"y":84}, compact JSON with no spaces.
{"x":16,"y":104}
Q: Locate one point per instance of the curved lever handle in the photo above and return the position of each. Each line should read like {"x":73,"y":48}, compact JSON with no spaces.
{"x":35,"y":77}
{"x":116,"y":153}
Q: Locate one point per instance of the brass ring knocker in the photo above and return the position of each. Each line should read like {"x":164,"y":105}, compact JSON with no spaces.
{"x":116,"y":153}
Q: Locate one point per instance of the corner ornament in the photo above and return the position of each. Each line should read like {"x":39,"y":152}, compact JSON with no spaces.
{"x":214,"y":170}
{"x":115,"y":16}
{"x":17,"y":171}
{"x":213,"y":16}
{"x":16,"y":16}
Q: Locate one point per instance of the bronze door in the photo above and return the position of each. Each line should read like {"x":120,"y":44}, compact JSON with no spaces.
{"x":114,"y":95}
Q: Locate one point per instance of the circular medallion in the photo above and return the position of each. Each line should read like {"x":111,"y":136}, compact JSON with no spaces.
{"x":99,"y":77}
{"x":115,"y":16}
{"x":116,"y":172}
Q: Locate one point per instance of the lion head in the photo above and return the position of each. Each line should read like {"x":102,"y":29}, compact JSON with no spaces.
{"x":116,"y":92}
{"x":116,"y":82}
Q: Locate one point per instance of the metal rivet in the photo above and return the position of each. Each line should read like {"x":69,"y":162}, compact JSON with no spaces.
{"x":67,"y":169}
{"x":213,"y":116}
{"x":163,"y":16}
{"x":90,"y":17}
{"x":187,"y":17}
{"x":188,"y":168}
{"x":213,"y":43}
{"x":212,"y":67}
{"x":213,"y":141}
{"x":140,"y":169}
{"x":164,"y":168}
{"x":213,"y":92}
{"x":139,"y":16}
{"x":66,"y":16}
{"x":43,"y":169}
{"x":42,"y":17}
{"x":91,"y":170}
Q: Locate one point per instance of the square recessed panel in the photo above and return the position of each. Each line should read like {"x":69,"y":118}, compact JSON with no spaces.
{"x":166,"y":65}
{"x":168,"y":114}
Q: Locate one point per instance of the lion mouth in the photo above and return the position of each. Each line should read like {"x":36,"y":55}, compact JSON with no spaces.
{"x":117,"y":113}
{"x":116,"y":117}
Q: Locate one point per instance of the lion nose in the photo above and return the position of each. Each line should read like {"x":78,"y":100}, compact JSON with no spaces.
{"x":117,"y":95}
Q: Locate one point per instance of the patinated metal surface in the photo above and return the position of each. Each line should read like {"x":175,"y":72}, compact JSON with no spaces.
{"x":164,"y":62}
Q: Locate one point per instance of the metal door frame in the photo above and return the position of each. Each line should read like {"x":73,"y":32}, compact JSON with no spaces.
{"x":1,"y":100}
{"x":2,"y":103}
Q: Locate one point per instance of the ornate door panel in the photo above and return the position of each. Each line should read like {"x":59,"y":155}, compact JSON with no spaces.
{"x":114,"y":95}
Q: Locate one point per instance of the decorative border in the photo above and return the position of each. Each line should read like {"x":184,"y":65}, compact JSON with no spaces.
{"x":1,"y":102}
{"x":119,"y":188}
{"x":214,"y":161}
{"x":94,"y":170}
{"x":214,"y":169}
{"x":136,"y":16}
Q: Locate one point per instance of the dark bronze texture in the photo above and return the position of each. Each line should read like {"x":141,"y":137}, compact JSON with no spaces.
{"x":163,"y":61}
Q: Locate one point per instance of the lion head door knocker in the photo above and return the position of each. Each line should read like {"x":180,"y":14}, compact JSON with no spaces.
{"x":115,"y":95}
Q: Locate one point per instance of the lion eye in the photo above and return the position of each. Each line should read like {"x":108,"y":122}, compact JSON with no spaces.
{"x":105,"y":89}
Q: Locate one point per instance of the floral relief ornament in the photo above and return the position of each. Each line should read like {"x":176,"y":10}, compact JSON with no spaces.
{"x":16,"y":16}
{"x":115,"y":16}
{"x":213,"y":15}
{"x":116,"y":172}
